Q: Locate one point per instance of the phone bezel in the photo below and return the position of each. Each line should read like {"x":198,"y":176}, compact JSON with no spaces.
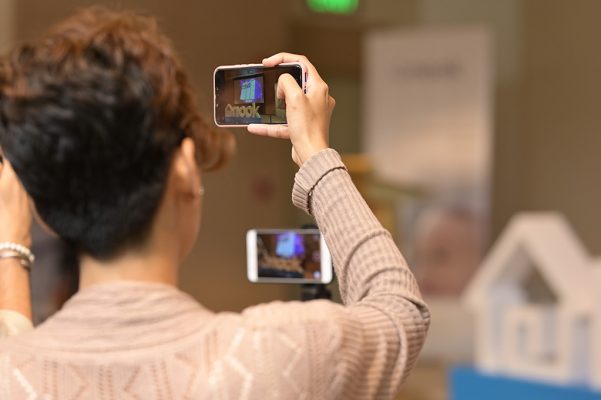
{"x":222,"y":67}
{"x":252,"y":258}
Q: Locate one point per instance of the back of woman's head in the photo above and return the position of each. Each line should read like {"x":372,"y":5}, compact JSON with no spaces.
{"x":90,"y":115}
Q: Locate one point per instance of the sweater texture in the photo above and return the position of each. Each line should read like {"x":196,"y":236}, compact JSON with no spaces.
{"x":142,"y":341}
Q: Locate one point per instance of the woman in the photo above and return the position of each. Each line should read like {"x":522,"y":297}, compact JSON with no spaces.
{"x":99,"y":129}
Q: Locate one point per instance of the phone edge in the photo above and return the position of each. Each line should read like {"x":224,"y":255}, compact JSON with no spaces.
{"x":251,"y":256}
{"x":303,"y":86}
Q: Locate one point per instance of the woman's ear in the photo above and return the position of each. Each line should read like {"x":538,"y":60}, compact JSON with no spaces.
{"x":185,"y":168}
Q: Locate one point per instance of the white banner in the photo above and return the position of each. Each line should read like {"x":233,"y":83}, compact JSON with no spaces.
{"x":428,"y":114}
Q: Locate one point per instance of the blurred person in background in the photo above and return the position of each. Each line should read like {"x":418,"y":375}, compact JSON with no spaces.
{"x":102,"y":139}
{"x":447,"y":250}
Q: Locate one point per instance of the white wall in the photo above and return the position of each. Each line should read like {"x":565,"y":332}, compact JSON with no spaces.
{"x":503,"y":17}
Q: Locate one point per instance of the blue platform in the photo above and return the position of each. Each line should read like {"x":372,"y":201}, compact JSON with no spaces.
{"x":466,"y":383}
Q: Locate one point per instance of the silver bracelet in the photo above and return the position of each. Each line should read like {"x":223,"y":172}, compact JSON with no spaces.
{"x":8,"y":254}
{"x":15,"y":250}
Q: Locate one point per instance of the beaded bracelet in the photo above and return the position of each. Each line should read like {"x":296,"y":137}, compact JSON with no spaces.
{"x":15,"y":250}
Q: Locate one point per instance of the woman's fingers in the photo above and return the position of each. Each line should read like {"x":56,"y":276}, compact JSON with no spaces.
{"x":315,"y":85}
{"x":276,"y":131}
{"x":308,"y":115}
{"x":290,"y":58}
{"x":288,"y":89}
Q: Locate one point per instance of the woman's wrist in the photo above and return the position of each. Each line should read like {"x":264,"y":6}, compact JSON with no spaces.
{"x":313,"y":151}
{"x":19,"y":252}
{"x":11,"y":262}
{"x":14,"y":287}
{"x":15,"y":292}
{"x":22,"y":240}
{"x":313,"y":170}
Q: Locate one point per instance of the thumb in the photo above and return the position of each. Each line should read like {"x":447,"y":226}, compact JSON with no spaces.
{"x":288,"y":88}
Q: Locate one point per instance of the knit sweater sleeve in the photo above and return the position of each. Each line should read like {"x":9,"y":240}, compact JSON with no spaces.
{"x":12,"y":323}
{"x":384,"y":322}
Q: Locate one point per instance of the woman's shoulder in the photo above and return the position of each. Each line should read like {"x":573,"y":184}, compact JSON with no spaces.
{"x":295,"y":318}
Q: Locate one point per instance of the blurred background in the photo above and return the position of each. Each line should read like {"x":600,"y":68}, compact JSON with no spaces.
{"x":452,"y":115}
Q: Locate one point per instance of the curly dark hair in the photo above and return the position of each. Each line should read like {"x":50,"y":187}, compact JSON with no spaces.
{"x":90,"y":116}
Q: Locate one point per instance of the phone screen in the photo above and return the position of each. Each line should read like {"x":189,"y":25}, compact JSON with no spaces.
{"x":248,"y":95}
{"x":290,"y":255}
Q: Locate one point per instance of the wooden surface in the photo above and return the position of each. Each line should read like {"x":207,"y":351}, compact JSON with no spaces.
{"x":427,"y":382}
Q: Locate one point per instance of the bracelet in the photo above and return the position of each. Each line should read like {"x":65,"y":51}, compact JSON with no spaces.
{"x":15,"y":250}
{"x":310,"y":194}
{"x":8,"y":254}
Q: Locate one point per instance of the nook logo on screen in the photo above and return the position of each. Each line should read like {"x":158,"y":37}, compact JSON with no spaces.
{"x":250,"y":111}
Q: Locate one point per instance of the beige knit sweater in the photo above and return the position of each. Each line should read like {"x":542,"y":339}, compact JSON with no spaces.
{"x":145,"y":341}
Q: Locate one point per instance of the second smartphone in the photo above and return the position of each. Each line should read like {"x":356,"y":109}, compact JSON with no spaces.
{"x":288,"y":256}
{"x":247,"y":94}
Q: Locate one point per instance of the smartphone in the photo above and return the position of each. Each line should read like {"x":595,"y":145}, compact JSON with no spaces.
{"x":247,"y":94}
{"x":288,"y":256}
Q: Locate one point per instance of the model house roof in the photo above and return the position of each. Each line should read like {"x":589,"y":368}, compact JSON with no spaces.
{"x":539,"y":242}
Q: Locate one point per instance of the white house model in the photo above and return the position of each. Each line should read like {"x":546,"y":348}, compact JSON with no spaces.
{"x":537,"y":304}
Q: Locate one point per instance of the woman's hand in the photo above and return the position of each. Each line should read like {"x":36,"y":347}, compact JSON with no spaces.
{"x":15,"y":226}
{"x":308,"y":114}
{"x":15,"y":212}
